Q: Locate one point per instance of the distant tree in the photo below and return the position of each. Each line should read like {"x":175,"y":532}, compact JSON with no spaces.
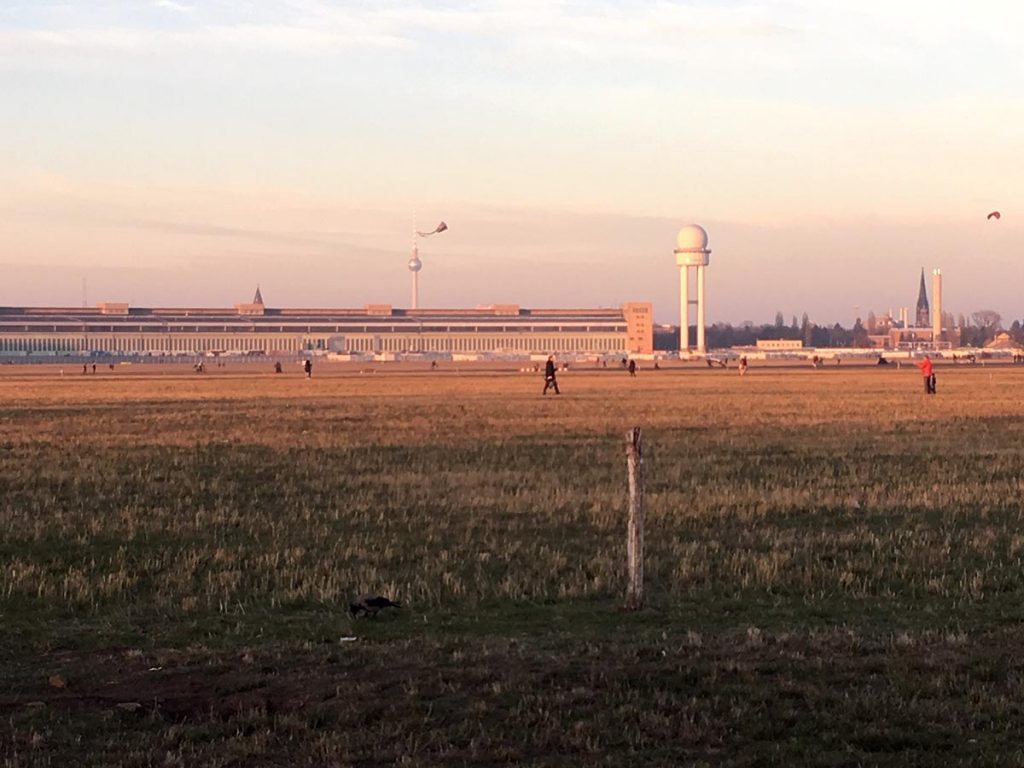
{"x":859,"y":335}
{"x":807,"y":331}
{"x":961,"y":321}
{"x":780,"y":321}
{"x":794,"y":325}
{"x":984,"y":325}
{"x":987,"y":319}
{"x":840,"y":337}
{"x":972,"y":336}
{"x":872,"y":323}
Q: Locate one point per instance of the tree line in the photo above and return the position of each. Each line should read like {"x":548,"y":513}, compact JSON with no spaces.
{"x":976,"y":330}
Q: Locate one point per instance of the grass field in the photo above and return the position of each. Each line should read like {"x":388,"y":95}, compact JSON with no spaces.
{"x":834,"y":569}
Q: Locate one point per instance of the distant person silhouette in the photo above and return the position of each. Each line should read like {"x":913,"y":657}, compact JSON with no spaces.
{"x":308,"y":368}
{"x":549,"y":376}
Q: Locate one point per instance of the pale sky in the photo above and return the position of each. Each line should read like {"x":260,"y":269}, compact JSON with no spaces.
{"x":177,"y":152}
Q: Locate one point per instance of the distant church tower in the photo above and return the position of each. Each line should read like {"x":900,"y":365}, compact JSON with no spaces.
{"x":923,"y":319}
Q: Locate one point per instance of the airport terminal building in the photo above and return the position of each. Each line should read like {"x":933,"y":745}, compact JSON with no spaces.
{"x":376,"y":329}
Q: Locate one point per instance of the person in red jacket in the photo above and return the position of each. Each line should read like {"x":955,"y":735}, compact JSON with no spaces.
{"x":929,"y":376}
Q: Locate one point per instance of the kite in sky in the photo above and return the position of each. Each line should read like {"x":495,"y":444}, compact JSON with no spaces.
{"x":440,"y":228}
{"x":994,"y":215}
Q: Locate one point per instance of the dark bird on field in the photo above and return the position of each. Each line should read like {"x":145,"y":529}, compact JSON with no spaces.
{"x":370,"y":604}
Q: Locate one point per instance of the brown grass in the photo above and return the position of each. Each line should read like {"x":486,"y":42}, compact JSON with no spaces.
{"x":201,"y":519}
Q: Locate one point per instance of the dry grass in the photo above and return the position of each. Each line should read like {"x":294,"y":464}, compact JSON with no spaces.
{"x":207,"y":517}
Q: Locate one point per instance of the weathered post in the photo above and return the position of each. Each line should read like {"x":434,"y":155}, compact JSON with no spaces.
{"x":635,"y":526}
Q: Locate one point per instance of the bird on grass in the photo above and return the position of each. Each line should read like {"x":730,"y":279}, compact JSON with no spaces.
{"x":369,"y":605}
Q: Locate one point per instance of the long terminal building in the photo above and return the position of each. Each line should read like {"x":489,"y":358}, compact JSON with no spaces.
{"x":120,"y":330}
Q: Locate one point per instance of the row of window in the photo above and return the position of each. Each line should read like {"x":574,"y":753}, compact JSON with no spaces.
{"x":369,"y":343}
{"x":470,"y":344}
{"x":88,"y":328}
{"x":130,"y":344}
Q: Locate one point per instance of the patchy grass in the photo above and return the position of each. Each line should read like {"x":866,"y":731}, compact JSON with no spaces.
{"x":834,"y":569}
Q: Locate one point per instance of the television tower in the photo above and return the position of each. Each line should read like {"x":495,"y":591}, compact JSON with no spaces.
{"x":415,"y":265}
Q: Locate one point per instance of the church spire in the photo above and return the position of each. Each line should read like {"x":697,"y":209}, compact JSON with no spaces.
{"x":923,"y":315}
{"x":258,"y":298}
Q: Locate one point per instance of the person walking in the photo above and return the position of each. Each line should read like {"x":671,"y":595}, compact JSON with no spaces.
{"x":743,"y":366}
{"x":549,"y":376}
{"x":928,"y":374}
{"x":632,"y":368}
{"x":307,"y":366}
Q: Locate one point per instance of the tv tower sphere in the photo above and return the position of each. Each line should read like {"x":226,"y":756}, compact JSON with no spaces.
{"x":415,"y":265}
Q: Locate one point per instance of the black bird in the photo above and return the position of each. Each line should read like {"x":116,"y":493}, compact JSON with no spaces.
{"x":370,"y":604}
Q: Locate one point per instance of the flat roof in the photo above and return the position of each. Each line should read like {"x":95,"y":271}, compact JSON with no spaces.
{"x":232,"y":312}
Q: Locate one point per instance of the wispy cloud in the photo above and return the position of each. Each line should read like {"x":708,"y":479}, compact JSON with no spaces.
{"x":170,"y":5}
{"x":649,"y":30}
{"x":770,"y":32}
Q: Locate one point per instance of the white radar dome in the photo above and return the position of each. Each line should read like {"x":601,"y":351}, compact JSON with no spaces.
{"x":692,"y":238}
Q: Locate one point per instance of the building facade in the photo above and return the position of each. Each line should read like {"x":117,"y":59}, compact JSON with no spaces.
{"x":254,"y":329}
{"x":786,"y":345}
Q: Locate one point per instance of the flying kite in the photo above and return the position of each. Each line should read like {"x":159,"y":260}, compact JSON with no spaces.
{"x":994,"y":215}
{"x":440,"y":228}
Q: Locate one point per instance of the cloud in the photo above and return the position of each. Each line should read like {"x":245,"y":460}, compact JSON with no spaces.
{"x":170,"y":5}
{"x":654,"y":30}
{"x":251,"y":37}
{"x":748,"y":35}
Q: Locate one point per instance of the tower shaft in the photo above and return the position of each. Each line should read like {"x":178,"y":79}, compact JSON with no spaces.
{"x":701,"y":348}
{"x":684,"y":309}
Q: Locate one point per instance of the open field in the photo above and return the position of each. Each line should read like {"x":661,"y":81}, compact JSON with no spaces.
{"x":834,"y":567}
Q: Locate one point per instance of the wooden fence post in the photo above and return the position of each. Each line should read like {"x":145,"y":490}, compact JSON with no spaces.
{"x":635,"y":526}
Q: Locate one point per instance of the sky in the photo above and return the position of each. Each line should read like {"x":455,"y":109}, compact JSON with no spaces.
{"x":178,"y":152}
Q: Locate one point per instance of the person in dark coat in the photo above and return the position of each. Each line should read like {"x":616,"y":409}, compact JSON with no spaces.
{"x":632,"y":367}
{"x":308,"y":368}
{"x":549,"y":376}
